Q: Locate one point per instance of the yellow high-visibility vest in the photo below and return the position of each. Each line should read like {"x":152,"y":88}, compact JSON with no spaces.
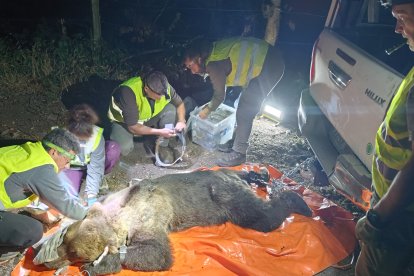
{"x":17,"y":159}
{"x":247,"y":56}
{"x":392,"y":145}
{"x":143,"y":105}
{"x":88,"y":147}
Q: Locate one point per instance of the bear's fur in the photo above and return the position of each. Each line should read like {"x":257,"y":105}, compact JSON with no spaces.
{"x":141,"y":217}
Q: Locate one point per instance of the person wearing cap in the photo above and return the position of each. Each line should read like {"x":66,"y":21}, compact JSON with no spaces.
{"x":245,"y":62}
{"x":146,"y":106}
{"x":28,"y":172}
{"x":386,"y":232}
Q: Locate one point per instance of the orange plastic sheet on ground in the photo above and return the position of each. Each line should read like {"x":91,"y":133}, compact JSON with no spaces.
{"x":300,"y":246}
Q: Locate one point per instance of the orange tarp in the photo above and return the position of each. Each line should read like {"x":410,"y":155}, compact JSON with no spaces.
{"x":300,"y":246}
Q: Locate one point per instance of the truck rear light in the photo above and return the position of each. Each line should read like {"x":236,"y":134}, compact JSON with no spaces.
{"x":312,"y":67}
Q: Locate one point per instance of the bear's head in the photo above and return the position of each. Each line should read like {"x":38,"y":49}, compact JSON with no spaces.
{"x":86,"y":240}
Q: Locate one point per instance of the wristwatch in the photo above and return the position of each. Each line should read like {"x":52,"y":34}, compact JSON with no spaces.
{"x":374,"y":218}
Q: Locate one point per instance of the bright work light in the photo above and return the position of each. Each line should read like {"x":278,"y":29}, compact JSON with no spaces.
{"x":272,"y":112}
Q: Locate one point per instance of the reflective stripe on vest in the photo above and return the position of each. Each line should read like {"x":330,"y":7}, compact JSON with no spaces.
{"x":247,"y":56}
{"x":89,"y":147}
{"x":392,"y":147}
{"x":143,"y":105}
{"x":17,"y":159}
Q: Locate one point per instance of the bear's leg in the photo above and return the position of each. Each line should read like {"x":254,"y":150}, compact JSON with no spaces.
{"x":294,"y":203}
{"x":150,"y":254}
{"x":260,"y":178}
{"x":243,"y":207}
{"x":110,"y":264}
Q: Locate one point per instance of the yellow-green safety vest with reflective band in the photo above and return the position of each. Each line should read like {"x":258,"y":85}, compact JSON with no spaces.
{"x":144,"y":108}
{"x":17,"y":159}
{"x":392,"y":146}
{"x":247,"y":56}
{"x":88,"y":147}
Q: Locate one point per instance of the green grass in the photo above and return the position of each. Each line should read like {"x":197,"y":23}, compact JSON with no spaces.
{"x":48,"y":66}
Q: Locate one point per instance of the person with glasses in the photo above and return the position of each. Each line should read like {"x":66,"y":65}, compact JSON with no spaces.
{"x":245,"y":62}
{"x":96,"y":156}
{"x":386,"y":232}
{"x":146,"y":106}
{"x":29,"y":172}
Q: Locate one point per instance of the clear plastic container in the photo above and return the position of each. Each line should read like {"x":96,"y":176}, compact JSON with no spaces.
{"x":216,"y":129}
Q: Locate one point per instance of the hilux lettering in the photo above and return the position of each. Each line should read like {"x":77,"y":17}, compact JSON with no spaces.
{"x":375,"y":97}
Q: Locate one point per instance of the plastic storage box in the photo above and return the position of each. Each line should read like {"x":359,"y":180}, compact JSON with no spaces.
{"x":216,"y":129}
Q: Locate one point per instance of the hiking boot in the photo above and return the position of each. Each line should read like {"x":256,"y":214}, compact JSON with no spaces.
{"x":232,"y":158}
{"x":226,"y":147}
{"x":166,"y":155}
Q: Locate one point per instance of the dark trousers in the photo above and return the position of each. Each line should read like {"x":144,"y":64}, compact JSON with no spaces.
{"x":390,"y":251}
{"x":121,"y":134}
{"x":18,"y":232}
{"x":252,"y":97}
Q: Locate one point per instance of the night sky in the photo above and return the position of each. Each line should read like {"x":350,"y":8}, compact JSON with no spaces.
{"x":177,"y":19}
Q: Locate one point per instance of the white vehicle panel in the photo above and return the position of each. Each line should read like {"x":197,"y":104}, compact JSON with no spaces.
{"x":356,"y":108}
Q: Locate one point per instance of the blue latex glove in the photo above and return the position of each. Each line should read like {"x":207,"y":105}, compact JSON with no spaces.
{"x":91,"y":200}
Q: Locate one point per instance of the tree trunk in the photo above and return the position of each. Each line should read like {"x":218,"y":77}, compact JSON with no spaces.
{"x":271,"y":11}
{"x":96,"y":31}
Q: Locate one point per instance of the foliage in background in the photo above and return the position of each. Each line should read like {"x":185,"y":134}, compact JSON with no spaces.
{"x":47,"y":66}
{"x":46,"y":62}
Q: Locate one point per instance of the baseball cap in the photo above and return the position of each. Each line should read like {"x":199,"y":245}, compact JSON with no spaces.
{"x":157,"y":82}
{"x":389,"y":3}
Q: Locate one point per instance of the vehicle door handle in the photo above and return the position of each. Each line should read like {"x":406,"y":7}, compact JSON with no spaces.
{"x":338,"y":76}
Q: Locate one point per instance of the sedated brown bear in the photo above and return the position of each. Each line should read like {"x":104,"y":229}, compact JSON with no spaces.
{"x":142,"y":216}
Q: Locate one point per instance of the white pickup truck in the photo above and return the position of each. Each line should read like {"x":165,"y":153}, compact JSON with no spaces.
{"x":352,"y":82}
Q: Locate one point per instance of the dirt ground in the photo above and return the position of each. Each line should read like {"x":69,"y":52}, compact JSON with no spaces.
{"x":271,"y":143}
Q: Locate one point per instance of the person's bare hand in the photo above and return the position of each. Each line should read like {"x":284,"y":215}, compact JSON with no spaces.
{"x":204,"y":113}
{"x":167,"y":133}
{"x":180,"y":126}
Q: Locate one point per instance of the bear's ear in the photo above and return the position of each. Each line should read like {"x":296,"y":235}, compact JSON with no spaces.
{"x":72,"y":231}
{"x":113,"y":249}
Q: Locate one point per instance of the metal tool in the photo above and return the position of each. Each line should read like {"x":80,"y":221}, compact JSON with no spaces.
{"x":394,"y":48}
{"x":158,"y":161}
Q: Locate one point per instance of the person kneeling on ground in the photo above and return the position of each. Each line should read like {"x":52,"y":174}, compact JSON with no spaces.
{"x":28,"y":172}
{"x":146,"y":106}
{"x":96,"y":157}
